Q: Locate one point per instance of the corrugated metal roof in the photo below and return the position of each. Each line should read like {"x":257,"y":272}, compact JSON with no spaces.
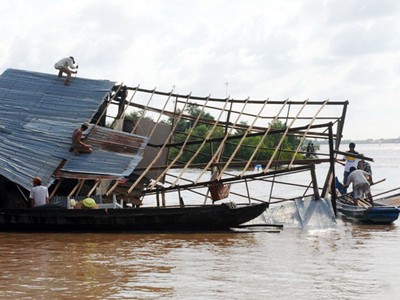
{"x":37,"y":117}
{"x":126,"y":149}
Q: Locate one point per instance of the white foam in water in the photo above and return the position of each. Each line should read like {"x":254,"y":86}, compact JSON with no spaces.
{"x":303,"y":213}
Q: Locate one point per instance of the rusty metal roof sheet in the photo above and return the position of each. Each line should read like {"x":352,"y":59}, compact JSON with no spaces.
{"x":37,"y":117}
{"x":127,"y":150}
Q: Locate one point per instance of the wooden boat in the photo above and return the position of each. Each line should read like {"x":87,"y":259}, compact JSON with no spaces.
{"x":148,"y":159}
{"x":188,"y":218}
{"x":379,"y":213}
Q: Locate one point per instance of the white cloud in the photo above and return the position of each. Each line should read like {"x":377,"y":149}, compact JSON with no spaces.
{"x":342,"y":50}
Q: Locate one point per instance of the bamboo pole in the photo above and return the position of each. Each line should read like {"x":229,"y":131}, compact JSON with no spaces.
{"x":234,"y":179}
{"x":283,"y":137}
{"x":253,"y":101}
{"x":315,"y":183}
{"x":128,"y":104}
{"x":307,"y":130}
{"x":359,"y":156}
{"x":158,"y":154}
{"x":242,"y":140}
{"x":262,"y":140}
{"x":108,"y":104}
{"x":219,"y":149}
{"x":125,"y":106}
{"x":77,"y":186}
{"x":181,"y":151}
{"x":56,"y":188}
{"x":204,"y":141}
{"x":144,"y":111}
{"x":97,"y":183}
{"x":114,"y":186}
{"x":386,"y":192}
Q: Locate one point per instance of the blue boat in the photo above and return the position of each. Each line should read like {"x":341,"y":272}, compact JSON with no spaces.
{"x":377,"y":214}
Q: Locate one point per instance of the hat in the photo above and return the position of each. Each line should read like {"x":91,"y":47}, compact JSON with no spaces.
{"x":85,"y":125}
{"x":89,"y":203}
{"x":37,"y":180}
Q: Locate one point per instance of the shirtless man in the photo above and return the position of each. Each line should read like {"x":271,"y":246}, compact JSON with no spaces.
{"x":77,"y":145}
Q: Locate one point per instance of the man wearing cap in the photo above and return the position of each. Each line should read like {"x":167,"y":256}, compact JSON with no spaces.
{"x":39,"y":194}
{"x":64,"y":66}
{"x":77,"y":145}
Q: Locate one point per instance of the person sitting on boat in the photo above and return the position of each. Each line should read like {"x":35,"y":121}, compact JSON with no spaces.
{"x":77,"y":145}
{"x":87,"y":203}
{"x":65,"y":65}
{"x":39,"y":194}
{"x":361,"y":184}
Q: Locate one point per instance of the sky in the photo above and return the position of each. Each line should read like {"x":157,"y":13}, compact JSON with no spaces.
{"x":303,"y":49}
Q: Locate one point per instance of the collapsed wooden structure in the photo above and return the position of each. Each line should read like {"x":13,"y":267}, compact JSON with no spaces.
{"x":157,"y":139}
{"x":165,"y":153}
{"x":233,"y":124}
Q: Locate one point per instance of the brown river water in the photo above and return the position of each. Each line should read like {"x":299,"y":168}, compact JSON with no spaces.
{"x":351,"y":261}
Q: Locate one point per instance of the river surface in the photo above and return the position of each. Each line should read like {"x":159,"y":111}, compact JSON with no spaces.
{"x":350,"y":261}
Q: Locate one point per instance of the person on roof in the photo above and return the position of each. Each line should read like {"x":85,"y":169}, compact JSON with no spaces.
{"x":78,"y":146}
{"x":68,"y":66}
{"x":39,"y":194}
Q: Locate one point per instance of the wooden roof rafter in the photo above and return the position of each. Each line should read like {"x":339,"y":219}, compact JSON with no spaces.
{"x":304,"y":120}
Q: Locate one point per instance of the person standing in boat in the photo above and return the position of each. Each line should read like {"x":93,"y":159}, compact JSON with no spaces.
{"x":361,"y":184}
{"x":365,"y":166}
{"x":78,"y":146}
{"x":68,"y":66}
{"x":350,"y":161}
{"x":39,"y":194}
{"x":310,"y":150}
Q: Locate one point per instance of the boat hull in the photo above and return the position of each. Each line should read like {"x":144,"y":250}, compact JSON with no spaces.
{"x":196,"y":218}
{"x":376,"y":214}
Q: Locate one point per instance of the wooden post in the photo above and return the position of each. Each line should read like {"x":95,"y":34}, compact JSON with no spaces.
{"x":314,"y":181}
{"x":163,"y":199}
{"x":158,"y":198}
{"x":332,"y":171}
{"x":181,"y":204}
{"x":248,"y":191}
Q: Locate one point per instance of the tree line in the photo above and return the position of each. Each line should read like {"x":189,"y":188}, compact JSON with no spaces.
{"x":200,"y":130}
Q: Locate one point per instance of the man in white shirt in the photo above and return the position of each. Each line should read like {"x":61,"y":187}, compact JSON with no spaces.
{"x":361,"y":184}
{"x":39,"y":194}
{"x":64,"y":66}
